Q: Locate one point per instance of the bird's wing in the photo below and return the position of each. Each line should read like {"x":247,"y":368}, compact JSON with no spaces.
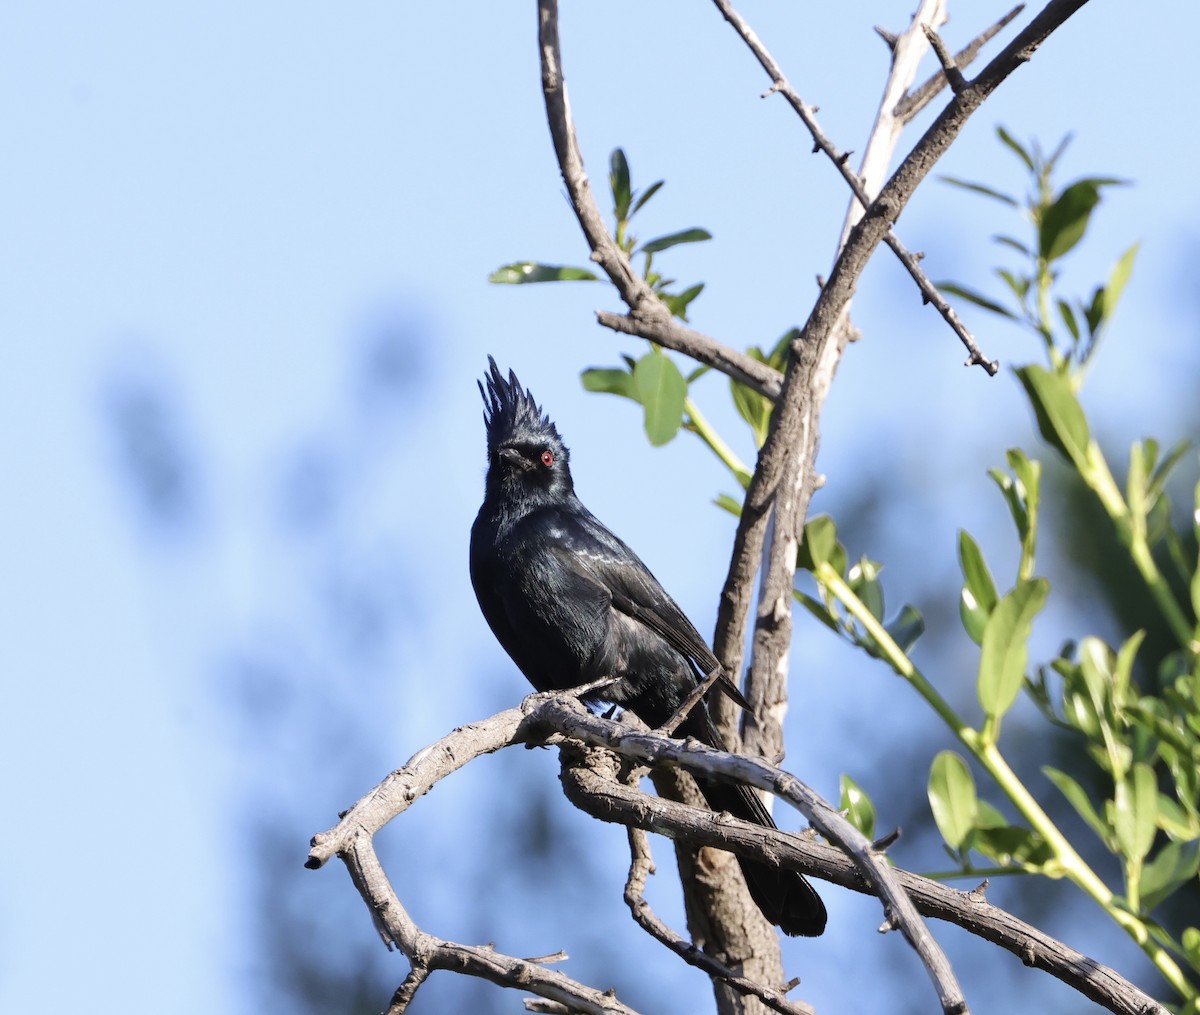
{"x":595,"y":552}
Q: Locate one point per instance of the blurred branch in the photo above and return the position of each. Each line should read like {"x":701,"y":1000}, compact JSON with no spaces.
{"x":560,"y":719}
{"x":917,"y":99}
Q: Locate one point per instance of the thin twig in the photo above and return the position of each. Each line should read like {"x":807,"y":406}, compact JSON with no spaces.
{"x":641,"y":865}
{"x":917,"y":99}
{"x":954,"y":76}
{"x":822,"y":143}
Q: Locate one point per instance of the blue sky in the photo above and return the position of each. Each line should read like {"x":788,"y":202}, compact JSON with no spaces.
{"x":238,"y":206}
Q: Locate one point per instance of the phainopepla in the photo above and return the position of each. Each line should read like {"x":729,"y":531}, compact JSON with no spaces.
{"x":571,"y":603}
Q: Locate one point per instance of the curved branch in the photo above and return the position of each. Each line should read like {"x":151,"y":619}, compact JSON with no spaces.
{"x":648,"y":316}
{"x":609,"y":800}
{"x":546,"y":719}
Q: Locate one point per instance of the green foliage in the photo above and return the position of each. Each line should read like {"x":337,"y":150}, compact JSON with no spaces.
{"x":857,"y":806}
{"x":1058,"y":219}
{"x":627,"y":202}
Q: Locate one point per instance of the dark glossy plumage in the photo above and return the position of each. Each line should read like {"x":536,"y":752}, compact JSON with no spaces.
{"x":570,"y":603}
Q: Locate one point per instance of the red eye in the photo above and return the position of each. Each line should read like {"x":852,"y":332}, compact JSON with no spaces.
{"x":547,"y":458}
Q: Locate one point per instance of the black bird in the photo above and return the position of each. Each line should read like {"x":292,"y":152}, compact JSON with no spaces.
{"x":571,"y":603}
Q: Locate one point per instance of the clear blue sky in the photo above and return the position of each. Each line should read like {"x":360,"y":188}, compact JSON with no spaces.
{"x":229,"y":203}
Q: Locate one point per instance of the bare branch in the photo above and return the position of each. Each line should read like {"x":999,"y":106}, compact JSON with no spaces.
{"x":953,"y":75}
{"x":822,"y":143}
{"x":640,"y":867}
{"x":672,"y":335}
{"x":568,"y":717}
{"x":609,"y":800}
{"x":648,"y":315}
{"x":545,"y":718}
{"x":920,"y":97}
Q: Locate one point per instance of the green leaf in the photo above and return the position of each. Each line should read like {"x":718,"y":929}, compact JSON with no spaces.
{"x":531,"y":271}
{"x":860,"y":812}
{"x":820,"y":544}
{"x":610,"y":380}
{"x":1077,"y":797}
{"x":649,"y":193}
{"x":662,"y":390}
{"x":906,"y":627}
{"x":1117,"y":279}
{"x":979,"y":188}
{"x":1012,"y":143}
{"x":678,"y":304}
{"x":730,"y":504}
{"x":1012,"y":844}
{"x":863,"y":579}
{"x":1135,"y":812}
{"x":971,"y":296}
{"x":1190,"y":939}
{"x":1017,"y":245}
{"x":753,"y":408}
{"x":1018,"y":284}
{"x":674,"y":239}
{"x":952,"y":798}
{"x":1059,"y":415}
{"x":1068,"y":316}
{"x":1063,"y":224}
{"x":978,"y":597}
{"x":1172,"y":867}
{"x":818,"y":610}
{"x":618,"y":179}
{"x":1004,"y":649}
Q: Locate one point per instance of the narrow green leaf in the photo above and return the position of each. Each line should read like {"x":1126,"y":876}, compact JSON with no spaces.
{"x":610,"y":380}
{"x":674,"y":239}
{"x":975,"y":572}
{"x":971,"y":296}
{"x":1172,"y":867}
{"x":1068,"y":317}
{"x":645,"y":196}
{"x":618,"y":180}
{"x":730,"y":504}
{"x":1059,"y":415}
{"x":1117,"y":279}
{"x":1077,"y":797}
{"x":1019,"y":284}
{"x":1004,"y":649}
{"x":979,"y":188}
{"x":818,"y":610}
{"x":952,"y":798}
{"x":1017,"y":245}
{"x":1135,"y":809}
{"x":860,"y":812}
{"x":753,"y":408}
{"x":1012,"y":143}
{"x":531,"y":271}
{"x":662,"y":391}
{"x":678,"y":304}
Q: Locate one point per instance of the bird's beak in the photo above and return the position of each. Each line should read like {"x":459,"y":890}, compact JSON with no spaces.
{"x":511,"y":455}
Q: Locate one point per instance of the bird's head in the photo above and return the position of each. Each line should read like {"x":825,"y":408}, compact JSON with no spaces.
{"x":525,"y":453}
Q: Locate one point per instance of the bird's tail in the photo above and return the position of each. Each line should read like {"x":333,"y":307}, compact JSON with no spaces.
{"x":785,"y":897}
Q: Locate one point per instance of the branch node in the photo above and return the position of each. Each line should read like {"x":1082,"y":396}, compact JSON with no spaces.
{"x":889,"y":38}
{"x":953,"y":75}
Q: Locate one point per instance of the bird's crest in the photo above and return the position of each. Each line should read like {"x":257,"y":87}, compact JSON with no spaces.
{"x":511,"y":414}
